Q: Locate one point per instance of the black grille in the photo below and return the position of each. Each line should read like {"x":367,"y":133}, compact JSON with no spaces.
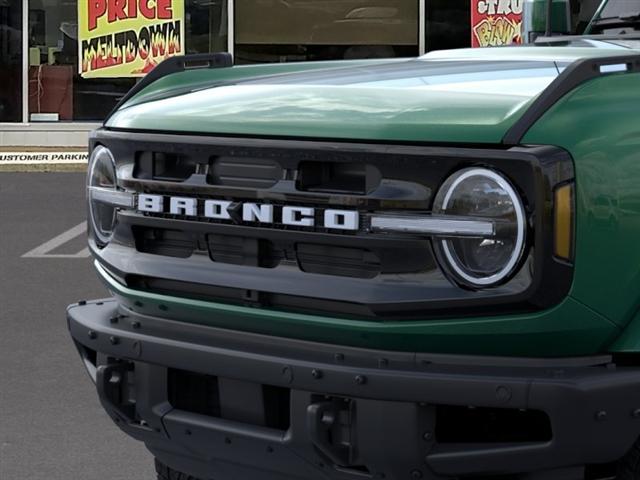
{"x":315,"y":269}
{"x":326,"y":258}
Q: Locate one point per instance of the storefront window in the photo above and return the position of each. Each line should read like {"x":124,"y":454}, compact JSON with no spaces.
{"x":448,"y":24}
{"x":277,"y":31}
{"x":10,"y":61}
{"x":206,"y":26}
{"x":57,"y":92}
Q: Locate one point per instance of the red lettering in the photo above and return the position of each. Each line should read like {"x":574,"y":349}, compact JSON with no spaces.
{"x":97,"y":8}
{"x":132,"y":9}
{"x":116,"y":10}
{"x":147,"y":12}
{"x":164,"y":9}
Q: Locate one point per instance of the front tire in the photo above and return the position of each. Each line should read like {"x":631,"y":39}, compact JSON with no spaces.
{"x":629,"y":466}
{"x":165,"y":472}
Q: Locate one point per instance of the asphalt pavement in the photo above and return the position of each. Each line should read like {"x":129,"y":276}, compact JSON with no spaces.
{"x":52,"y":426}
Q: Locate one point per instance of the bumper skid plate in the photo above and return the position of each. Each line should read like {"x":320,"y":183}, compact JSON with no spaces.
{"x":225,"y":404}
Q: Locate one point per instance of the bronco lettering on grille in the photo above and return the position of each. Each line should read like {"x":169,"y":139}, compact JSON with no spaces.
{"x":262,"y":213}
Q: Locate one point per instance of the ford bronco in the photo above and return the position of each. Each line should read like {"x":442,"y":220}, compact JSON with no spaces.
{"x":418,"y":268}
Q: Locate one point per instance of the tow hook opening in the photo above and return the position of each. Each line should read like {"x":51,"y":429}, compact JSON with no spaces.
{"x":331,"y":423}
{"x":115,"y":381}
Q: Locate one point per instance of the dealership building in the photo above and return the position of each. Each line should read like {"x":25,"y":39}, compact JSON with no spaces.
{"x":45,"y":100}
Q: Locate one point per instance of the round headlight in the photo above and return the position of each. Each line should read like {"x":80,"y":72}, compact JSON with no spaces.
{"x":102,"y":176}
{"x":479,"y":262}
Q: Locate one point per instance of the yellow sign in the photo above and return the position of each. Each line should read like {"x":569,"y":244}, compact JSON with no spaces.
{"x":128,"y":38}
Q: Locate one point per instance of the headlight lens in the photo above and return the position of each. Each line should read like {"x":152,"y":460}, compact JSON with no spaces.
{"x":102,"y":180}
{"x":481,"y":261}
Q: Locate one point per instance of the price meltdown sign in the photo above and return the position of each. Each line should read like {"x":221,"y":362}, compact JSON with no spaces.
{"x":496,"y":22}
{"x":128,"y":38}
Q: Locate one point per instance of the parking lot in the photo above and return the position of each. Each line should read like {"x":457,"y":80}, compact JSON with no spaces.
{"x":51,"y":424}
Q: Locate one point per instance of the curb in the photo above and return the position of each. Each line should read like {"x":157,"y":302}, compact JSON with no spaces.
{"x":43,"y":167}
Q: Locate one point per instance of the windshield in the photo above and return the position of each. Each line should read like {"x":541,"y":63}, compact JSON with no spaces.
{"x":617,"y":17}
{"x":620,"y":8}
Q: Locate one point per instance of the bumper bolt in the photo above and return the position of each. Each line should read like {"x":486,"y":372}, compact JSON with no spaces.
{"x":135,"y":325}
{"x":92,"y":335}
{"x":287,"y":374}
{"x":416,"y":474}
{"x":383,"y":363}
{"x":636,"y":413}
{"x":361,"y":379}
{"x":114,"y":340}
{"x":601,"y":415}
{"x":339,"y":357}
{"x":503,"y":394}
{"x":427,"y":436}
{"x":317,"y":374}
{"x":114,"y":319}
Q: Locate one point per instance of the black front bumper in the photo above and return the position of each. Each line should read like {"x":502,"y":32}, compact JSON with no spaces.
{"x":349,"y":412}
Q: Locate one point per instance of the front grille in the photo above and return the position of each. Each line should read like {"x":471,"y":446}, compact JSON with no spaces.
{"x":318,"y":269}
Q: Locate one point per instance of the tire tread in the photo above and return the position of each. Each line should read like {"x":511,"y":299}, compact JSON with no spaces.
{"x":629,"y":466}
{"x":165,"y":472}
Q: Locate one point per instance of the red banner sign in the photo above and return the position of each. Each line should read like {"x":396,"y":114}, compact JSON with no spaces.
{"x":496,"y":22}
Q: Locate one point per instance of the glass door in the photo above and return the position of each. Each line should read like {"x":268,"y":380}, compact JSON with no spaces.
{"x":447,"y":24}
{"x":10,"y":61}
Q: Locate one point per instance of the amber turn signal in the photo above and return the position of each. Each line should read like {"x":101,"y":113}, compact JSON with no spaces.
{"x":564,"y":213}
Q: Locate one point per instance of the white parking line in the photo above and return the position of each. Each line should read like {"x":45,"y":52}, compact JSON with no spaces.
{"x":43,"y":250}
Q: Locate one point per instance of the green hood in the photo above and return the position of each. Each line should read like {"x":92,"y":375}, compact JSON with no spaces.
{"x":470,"y":96}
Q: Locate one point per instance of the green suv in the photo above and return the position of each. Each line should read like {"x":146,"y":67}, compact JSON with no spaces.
{"x":390,"y":269}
